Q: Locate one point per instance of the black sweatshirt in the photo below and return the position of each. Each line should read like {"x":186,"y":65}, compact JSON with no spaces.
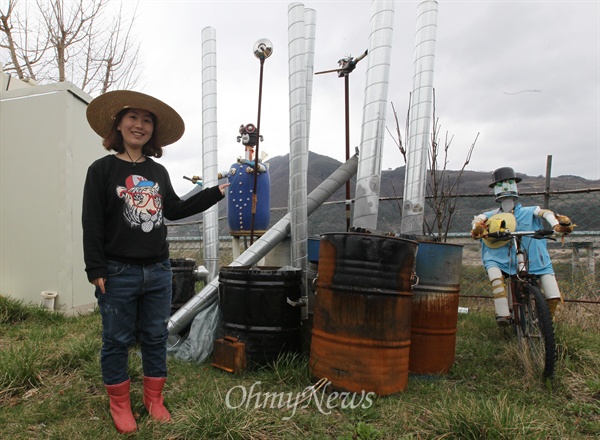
{"x":124,"y":208}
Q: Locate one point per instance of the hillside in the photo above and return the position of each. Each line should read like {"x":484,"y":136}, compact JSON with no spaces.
{"x":392,"y":185}
{"x":392,"y":181}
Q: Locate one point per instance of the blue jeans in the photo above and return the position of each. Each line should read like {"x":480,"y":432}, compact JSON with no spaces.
{"x":136,"y":305}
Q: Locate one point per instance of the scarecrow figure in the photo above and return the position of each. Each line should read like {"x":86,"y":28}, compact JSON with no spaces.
{"x":495,"y":254}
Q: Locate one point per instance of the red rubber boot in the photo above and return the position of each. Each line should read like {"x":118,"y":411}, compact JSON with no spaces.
{"x":153,"y":399}
{"x":120,"y":407}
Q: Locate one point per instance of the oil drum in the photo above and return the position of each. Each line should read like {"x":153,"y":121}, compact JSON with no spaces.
{"x":361,"y":323}
{"x":184,"y":282}
{"x":435,"y":308}
{"x":255,"y":310}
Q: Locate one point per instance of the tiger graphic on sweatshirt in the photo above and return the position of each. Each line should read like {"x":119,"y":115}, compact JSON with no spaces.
{"x":143,"y":203}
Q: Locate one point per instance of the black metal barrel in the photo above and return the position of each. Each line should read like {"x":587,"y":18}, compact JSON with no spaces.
{"x":184,"y":282}
{"x":256,"y":309}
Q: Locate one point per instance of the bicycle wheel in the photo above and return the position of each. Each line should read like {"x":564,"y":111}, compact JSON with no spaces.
{"x":538,"y":331}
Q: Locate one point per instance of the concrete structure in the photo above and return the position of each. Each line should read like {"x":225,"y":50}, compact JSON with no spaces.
{"x":46,"y":146}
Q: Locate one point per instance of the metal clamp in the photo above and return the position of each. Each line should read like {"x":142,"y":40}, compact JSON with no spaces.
{"x":300,"y":303}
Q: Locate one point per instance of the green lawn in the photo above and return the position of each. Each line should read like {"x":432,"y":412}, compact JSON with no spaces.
{"x":50,"y":387}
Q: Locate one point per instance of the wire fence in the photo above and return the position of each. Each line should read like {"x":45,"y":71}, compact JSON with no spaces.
{"x":574,"y":258}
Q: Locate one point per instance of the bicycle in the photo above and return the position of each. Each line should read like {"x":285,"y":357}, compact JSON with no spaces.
{"x":529,"y":313}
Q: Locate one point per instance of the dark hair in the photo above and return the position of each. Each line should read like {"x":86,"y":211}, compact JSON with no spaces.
{"x":114,"y":139}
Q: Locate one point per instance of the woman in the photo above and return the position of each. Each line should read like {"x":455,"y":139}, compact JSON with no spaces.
{"x":127,"y":196}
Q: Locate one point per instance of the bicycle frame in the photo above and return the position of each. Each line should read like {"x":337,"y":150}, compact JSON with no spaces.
{"x":529,"y":313}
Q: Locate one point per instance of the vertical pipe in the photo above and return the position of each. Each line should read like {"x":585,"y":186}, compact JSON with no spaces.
{"x":347,"y":129}
{"x":368,"y":179}
{"x":263,"y":49}
{"x":548,"y":174}
{"x":419,"y":126}
{"x":298,"y":130}
{"x":310,"y":23}
{"x":256,"y":155}
{"x":310,"y":31}
{"x":210,"y":225}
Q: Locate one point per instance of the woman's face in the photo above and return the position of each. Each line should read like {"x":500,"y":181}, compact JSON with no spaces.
{"x":136,"y":127}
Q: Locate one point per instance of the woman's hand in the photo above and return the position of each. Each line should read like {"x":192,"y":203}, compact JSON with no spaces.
{"x":99,"y":282}
{"x":223,"y":187}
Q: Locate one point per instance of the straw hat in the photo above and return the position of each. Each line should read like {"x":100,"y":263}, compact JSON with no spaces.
{"x":101,"y":113}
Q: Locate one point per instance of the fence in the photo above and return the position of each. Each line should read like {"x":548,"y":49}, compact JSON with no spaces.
{"x":574,"y":259}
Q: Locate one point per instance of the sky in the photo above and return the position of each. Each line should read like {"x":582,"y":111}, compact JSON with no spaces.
{"x":523,"y":76}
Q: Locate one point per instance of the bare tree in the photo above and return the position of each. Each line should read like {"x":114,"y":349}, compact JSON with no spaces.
{"x":115,"y":63}
{"x":77,"y":41}
{"x":16,"y":40}
{"x":398,"y":141}
{"x":442,"y":189}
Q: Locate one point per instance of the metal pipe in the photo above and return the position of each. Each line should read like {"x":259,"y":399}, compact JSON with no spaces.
{"x":263,"y":49}
{"x":368,"y":179}
{"x":298,"y":135}
{"x":345,"y":72}
{"x":347,"y":65}
{"x":263,"y":245}
{"x":310,"y":32}
{"x":310,"y":29}
{"x":419,"y":126}
{"x":210,"y":225}
{"x":201,"y":274}
{"x":255,"y":182}
{"x":347,"y":130}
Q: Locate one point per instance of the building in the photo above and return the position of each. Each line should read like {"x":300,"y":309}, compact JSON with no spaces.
{"x":46,"y":146}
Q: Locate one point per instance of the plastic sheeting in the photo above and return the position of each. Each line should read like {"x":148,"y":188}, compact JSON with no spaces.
{"x":198,"y":346}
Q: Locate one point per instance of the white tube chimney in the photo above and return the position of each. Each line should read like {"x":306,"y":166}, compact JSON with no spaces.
{"x":298,"y":135}
{"x":210,"y":172}
{"x":368,"y":179}
{"x":310,"y":23}
{"x":419,"y":125}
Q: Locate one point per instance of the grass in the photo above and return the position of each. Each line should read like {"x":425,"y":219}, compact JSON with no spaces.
{"x":51,"y":388}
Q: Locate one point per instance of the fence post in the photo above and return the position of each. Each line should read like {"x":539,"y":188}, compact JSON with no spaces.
{"x":547,"y":189}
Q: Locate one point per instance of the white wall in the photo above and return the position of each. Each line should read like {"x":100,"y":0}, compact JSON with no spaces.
{"x":46,"y":146}
{"x":10,"y":82}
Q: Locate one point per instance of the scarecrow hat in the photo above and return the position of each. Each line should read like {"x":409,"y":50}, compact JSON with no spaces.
{"x":103,"y":110}
{"x":504,"y":173}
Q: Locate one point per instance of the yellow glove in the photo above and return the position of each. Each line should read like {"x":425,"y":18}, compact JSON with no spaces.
{"x":479,"y":230}
{"x":564,"y":225}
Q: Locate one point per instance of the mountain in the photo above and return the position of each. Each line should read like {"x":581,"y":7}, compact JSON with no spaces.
{"x":332,"y":218}
{"x":392,"y":180}
{"x":319,"y":168}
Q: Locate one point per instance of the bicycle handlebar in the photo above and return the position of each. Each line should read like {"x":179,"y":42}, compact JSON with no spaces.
{"x":508,"y":234}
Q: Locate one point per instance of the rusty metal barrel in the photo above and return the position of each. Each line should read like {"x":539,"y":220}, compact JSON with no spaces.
{"x":361,"y":322}
{"x":257,"y":306}
{"x":435,"y":308}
